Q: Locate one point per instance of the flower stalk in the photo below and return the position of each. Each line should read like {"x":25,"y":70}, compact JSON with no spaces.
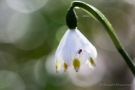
{"x":96,"y":14}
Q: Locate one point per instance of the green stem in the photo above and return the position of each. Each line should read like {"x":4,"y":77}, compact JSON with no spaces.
{"x":96,"y":14}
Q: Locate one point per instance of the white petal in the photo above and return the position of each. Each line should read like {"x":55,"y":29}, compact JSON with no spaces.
{"x":92,"y":64}
{"x":58,"y":54}
{"x":87,"y":45}
{"x":90,"y":51}
{"x":92,"y":55}
{"x":58,"y":58}
{"x":71,"y":43}
{"x":62,"y":42}
{"x":58,"y":61}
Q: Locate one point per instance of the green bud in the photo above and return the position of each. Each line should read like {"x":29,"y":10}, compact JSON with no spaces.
{"x":71,"y":19}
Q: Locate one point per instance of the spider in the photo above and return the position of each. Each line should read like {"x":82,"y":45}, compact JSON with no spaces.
{"x":79,"y":51}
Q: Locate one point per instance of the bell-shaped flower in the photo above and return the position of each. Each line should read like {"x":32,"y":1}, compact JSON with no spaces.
{"x":74,"y":50}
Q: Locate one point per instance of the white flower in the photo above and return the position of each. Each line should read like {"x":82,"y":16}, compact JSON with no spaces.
{"x":74,"y":50}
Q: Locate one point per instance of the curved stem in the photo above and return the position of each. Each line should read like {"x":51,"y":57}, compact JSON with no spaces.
{"x":96,"y":14}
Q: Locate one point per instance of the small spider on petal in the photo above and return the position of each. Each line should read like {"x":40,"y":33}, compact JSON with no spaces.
{"x":74,"y":50}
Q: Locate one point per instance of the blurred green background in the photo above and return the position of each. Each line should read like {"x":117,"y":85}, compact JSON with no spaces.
{"x":30,"y":31}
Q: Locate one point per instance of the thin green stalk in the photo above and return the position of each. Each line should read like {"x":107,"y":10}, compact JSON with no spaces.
{"x":96,"y":14}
